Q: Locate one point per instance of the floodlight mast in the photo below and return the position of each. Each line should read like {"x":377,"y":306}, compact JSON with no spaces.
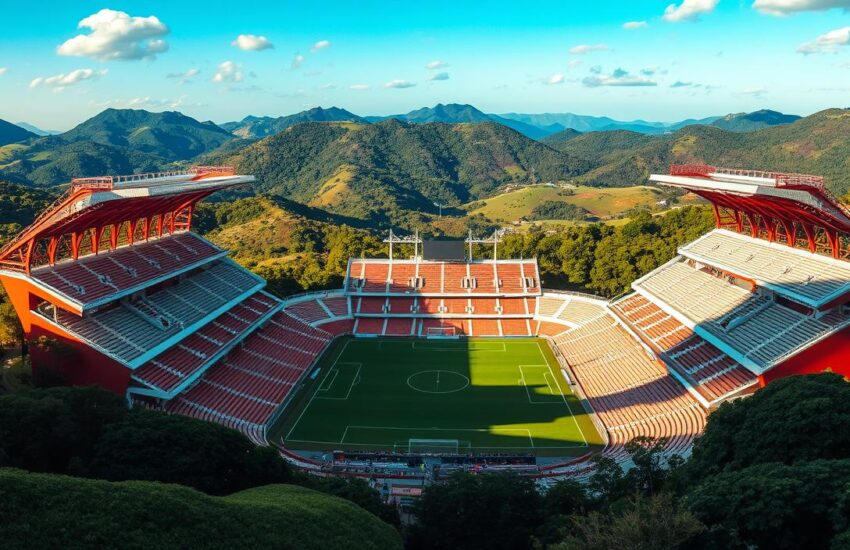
{"x":415,"y":240}
{"x":494,"y":239}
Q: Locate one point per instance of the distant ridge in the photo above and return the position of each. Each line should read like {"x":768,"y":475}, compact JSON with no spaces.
{"x":260,"y":127}
{"x":12,"y":133}
{"x":36,"y":130}
{"x":748,"y":122}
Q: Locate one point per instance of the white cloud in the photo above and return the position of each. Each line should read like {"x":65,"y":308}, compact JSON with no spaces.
{"x":574,"y":63}
{"x":60,"y":81}
{"x":229,"y":72}
{"x":359,"y":87}
{"x":784,"y":7}
{"x":753,"y":92}
{"x":252,"y":43}
{"x":630,"y":25}
{"x":683,"y":84}
{"x":828,"y":42}
{"x":297,"y":61}
{"x":399,"y":84}
{"x":3,"y":70}
{"x":147,"y":103}
{"x":185,"y":76}
{"x":329,"y":86}
{"x":689,"y":10}
{"x":439,"y":76}
{"x":582,"y":49}
{"x":556,"y":78}
{"x":618,"y":78}
{"x":117,"y":35}
{"x":320,"y":45}
{"x":436,"y":64}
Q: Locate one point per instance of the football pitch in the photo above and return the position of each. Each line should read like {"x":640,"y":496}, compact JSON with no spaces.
{"x":469,"y":395}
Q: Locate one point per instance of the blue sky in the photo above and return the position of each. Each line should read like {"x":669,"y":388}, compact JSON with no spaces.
{"x":67,"y":60}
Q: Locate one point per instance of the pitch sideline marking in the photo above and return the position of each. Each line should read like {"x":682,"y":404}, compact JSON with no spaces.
{"x":567,"y":403}
{"x":526,"y":430}
{"x":310,"y":403}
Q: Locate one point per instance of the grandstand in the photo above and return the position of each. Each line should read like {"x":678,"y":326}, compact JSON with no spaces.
{"x":112,"y":281}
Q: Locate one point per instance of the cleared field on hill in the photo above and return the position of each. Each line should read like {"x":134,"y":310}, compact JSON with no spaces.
{"x":600,"y":202}
{"x":481,"y":395}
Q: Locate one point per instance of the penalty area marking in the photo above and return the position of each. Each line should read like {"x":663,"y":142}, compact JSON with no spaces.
{"x":354,"y":381}
{"x":566,"y":402}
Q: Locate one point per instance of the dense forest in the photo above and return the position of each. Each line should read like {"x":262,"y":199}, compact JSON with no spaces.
{"x":770,"y":471}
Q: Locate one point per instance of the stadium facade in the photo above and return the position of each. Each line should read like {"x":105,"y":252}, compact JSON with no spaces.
{"x":113,"y":288}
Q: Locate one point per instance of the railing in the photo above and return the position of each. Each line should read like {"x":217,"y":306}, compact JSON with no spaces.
{"x":108,"y":182}
{"x":782,"y":179}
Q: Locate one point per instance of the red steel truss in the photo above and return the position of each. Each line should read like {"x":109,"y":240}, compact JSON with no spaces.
{"x":75,"y":224}
{"x":777,"y":218}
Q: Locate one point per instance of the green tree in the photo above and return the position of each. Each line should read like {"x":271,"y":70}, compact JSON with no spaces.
{"x":488,"y":511}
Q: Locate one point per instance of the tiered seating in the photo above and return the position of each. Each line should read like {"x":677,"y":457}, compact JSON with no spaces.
{"x":686,"y":289}
{"x":514,"y":327}
{"x":429,"y":306}
{"x":338,"y":327}
{"x":170,"y":368}
{"x":453,"y":275}
{"x":484,"y":306}
{"x":337,"y":305}
{"x":371,"y":305}
{"x":710,"y":371}
{"x":631,"y":393}
{"x":580,"y":311}
{"x":456,"y":306}
{"x":246,"y":388}
{"x":513,"y":306}
{"x":511,"y":278}
{"x":369,"y":325}
{"x":485,"y":278}
{"x":548,"y":306}
{"x":127,"y":335}
{"x":431,"y":275}
{"x":308,"y":310}
{"x":356,"y":273}
{"x":797,"y":272}
{"x":486,"y":327}
{"x":529,"y":271}
{"x":401,"y":306}
{"x":548,"y":328}
{"x":92,"y":278}
{"x":401,"y":275}
{"x":398,"y":327}
{"x":755,"y":326}
{"x":376,"y":277}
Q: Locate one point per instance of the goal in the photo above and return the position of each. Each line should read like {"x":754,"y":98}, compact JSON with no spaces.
{"x":436,"y":446}
{"x":441,"y":332}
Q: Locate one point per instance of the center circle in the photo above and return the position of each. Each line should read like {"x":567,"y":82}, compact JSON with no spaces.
{"x":437,"y":381}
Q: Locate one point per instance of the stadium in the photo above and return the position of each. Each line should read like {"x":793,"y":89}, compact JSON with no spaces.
{"x":439,"y":353}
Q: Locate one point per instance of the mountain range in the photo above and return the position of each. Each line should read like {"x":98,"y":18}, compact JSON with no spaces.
{"x":259,"y":127}
{"x":394,"y":171}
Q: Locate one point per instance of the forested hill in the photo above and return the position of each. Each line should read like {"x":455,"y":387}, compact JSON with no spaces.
{"x":377,"y":171}
{"x":816,"y":144}
{"x":12,"y":133}
{"x":116,"y":141}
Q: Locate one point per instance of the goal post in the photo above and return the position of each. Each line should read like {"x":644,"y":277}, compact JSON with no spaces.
{"x":437,"y":446}
{"x":441,"y":332}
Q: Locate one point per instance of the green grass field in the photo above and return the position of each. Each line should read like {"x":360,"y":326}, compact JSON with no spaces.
{"x":488,"y":395}
{"x":601,"y":202}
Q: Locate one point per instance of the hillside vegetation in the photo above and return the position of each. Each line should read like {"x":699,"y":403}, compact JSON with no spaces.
{"x":260,"y":127}
{"x":115,"y":141}
{"x":12,"y":133}
{"x":816,"y":144}
{"x":386,"y":172}
{"x":56,"y":511}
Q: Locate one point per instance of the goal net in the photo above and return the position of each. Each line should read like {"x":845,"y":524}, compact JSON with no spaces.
{"x":436,"y":446}
{"x":441,"y":332}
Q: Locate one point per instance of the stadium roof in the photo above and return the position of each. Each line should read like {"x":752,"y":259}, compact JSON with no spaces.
{"x":787,"y":199}
{"x":95,"y":203}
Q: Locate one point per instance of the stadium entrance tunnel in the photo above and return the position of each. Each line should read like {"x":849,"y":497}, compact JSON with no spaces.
{"x":493,"y":395}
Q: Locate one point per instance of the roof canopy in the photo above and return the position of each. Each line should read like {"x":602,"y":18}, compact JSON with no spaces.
{"x":775,"y":205}
{"x":93,"y":204}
